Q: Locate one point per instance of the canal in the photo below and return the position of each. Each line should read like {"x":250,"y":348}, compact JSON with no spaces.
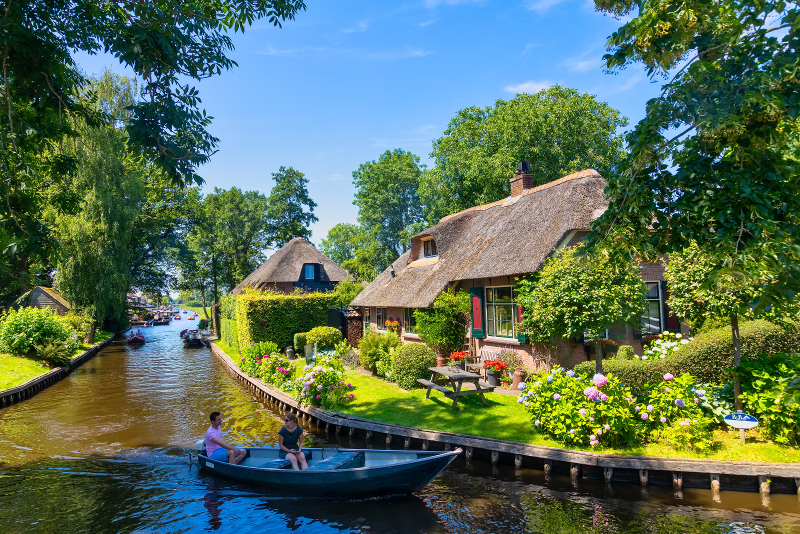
{"x":105,"y":450}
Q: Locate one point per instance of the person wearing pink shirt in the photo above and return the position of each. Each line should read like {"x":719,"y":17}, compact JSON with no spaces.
{"x":218,"y":450}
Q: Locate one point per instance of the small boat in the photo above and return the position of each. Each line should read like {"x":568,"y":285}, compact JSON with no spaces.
{"x":193,"y":338}
{"x":191,"y":318}
{"x":177,"y":318}
{"x":161,"y":322}
{"x":336,"y":471}
{"x":136,"y":340}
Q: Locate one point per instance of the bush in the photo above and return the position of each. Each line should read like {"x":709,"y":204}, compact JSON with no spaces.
{"x":625,"y":352}
{"x":323,"y":384}
{"x":347,"y":354}
{"x":444,"y":326}
{"x":81,"y":324}
{"x":56,"y":352}
{"x":252,"y":355}
{"x":277,"y":369}
{"x":763,"y":387}
{"x":664,"y":345}
{"x":326,"y":337}
{"x":300,"y":342}
{"x":202,"y":324}
{"x":411,"y":362}
{"x":372,"y":346}
{"x":384,"y":367}
{"x":21,"y":330}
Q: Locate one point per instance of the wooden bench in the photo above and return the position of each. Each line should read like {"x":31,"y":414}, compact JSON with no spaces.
{"x":336,"y":461}
{"x":432,"y":385}
{"x":477,"y":364}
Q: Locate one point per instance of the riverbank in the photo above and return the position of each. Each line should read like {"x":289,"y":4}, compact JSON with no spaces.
{"x":503,"y":419}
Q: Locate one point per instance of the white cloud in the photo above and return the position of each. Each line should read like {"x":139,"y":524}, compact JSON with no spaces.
{"x":426,"y":128}
{"x":582,"y":64}
{"x":360,"y":27}
{"x":529,"y":47}
{"x":336,"y":177}
{"x":528,"y":87}
{"x":542,"y":5}
{"x":426,"y":23}
{"x":348,"y":52}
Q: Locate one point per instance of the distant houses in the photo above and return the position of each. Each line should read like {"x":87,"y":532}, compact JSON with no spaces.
{"x":484,"y":249}
{"x":296,"y":265}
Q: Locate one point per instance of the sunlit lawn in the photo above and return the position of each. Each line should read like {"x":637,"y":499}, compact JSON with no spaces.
{"x":503,"y":418}
{"x":16,"y":370}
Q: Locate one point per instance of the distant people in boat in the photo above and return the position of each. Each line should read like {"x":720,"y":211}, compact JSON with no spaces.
{"x":290,"y":440}
{"x":218,"y":450}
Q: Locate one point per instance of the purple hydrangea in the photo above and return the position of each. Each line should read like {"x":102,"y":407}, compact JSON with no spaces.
{"x":599,"y":380}
{"x":572,"y":431}
{"x":537,"y":422}
{"x":679,"y":403}
{"x":556,"y":396}
{"x":520,"y":400}
{"x":319,"y":388}
{"x":522,"y":386}
{"x":570,"y":373}
{"x":700,"y":392}
{"x":550,"y":378}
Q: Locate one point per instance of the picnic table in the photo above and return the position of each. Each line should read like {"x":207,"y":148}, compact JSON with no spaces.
{"x":456,"y":377}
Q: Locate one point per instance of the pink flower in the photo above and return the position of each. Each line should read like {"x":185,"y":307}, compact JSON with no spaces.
{"x":591,"y":392}
{"x":591,"y":419}
{"x":650,"y":408}
{"x":668,"y":377}
{"x":603,"y":397}
{"x":319,"y":397}
{"x":638,"y":408}
{"x":599,"y":431}
{"x":666,"y":389}
{"x":599,"y":380}
{"x":582,"y":411}
{"x":556,"y":396}
{"x":685,"y":422}
{"x":572,"y":431}
{"x":645,"y":416}
{"x":663,"y":419}
{"x":607,"y":427}
{"x":537,"y":423}
{"x":594,"y":443}
{"x":696,"y":400}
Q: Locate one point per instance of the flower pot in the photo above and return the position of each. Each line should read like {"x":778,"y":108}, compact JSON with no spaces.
{"x":461,"y":365}
{"x":519,"y":376}
{"x":610,"y":348}
{"x":493,"y":378}
{"x":522,"y":337}
{"x":441,"y":361}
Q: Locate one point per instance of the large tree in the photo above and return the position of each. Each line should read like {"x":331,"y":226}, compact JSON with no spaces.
{"x":342,"y":242}
{"x":387,"y":197}
{"x":715,"y":159}
{"x":558,"y":130}
{"x":287,"y":216}
{"x":574,"y":293}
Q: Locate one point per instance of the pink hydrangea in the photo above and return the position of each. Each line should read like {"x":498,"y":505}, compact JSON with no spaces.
{"x":591,"y":392}
{"x":638,"y":408}
{"x":663,"y":419}
{"x":599,"y":431}
{"x":645,"y":416}
{"x":685,"y":422}
{"x":572,"y":431}
{"x":594,"y":443}
{"x":650,"y":408}
{"x":556,"y":396}
{"x":668,"y":377}
{"x":319,"y":397}
{"x":537,"y":422}
{"x":582,"y":411}
{"x":599,"y":380}
{"x":603,"y":397}
{"x":607,"y":427}
{"x":591,"y":419}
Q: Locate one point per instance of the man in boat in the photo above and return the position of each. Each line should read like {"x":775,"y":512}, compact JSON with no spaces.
{"x":216,"y":448}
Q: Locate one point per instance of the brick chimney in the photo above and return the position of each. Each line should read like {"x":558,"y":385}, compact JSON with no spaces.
{"x":522,"y":179}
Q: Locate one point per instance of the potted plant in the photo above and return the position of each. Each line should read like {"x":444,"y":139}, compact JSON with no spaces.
{"x":458,"y":359}
{"x":522,"y":337}
{"x":494,"y":370}
{"x":392,"y":326}
{"x":512,"y":361}
{"x":607,"y":345}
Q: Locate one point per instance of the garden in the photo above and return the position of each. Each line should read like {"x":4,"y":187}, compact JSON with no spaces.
{"x":35,"y":340}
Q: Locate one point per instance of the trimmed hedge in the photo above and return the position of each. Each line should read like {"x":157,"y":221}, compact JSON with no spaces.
{"x":229,"y":333}
{"x":625,"y":352}
{"x":277,"y":317}
{"x":300,"y":341}
{"x":372,"y":346}
{"x":411,"y":362}
{"x":326,"y":337}
{"x":706,"y":358}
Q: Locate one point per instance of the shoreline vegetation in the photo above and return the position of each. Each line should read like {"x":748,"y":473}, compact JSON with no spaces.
{"x":384,"y":402}
{"x":17,"y":370}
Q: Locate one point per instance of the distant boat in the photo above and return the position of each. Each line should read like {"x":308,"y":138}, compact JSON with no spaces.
{"x":177,"y":318}
{"x":193,"y":338}
{"x":336,"y":471}
{"x":136,"y":340}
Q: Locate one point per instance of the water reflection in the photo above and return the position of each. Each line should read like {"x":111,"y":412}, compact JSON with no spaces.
{"x":105,"y":451}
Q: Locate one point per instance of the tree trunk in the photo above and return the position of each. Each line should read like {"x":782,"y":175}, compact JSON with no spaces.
{"x":598,"y":356}
{"x":203,"y":294}
{"x":89,"y":339}
{"x":737,"y":359}
{"x":214,"y":272}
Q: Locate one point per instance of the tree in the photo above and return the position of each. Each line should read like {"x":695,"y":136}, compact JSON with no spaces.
{"x":715,"y":159}
{"x":341,"y":243}
{"x":347,"y":290}
{"x":358,"y":250}
{"x":558,"y":130}
{"x":287,"y":218}
{"x":444,"y":326}
{"x":573,"y":293}
{"x":387,"y":198}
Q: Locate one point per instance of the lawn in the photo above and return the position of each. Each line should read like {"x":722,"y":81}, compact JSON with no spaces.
{"x":198,"y":310}
{"x":503,"y":418}
{"x":16,"y":370}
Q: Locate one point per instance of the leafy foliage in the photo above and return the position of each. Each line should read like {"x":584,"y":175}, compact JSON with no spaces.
{"x":323,"y":384}
{"x":664,"y":344}
{"x":300,"y":342}
{"x":444,"y":326}
{"x":558,"y":130}
{"x":762,"y":378}
{"x":625,"y":352}
{"x":717,"y":402}
{"x":346,"y":291}
{"x":412,"y":361}
{"x":21,"y":330}
{"x":55,"y":351}
{"x":326,"y":337}
{"x":347,"y":354}
{"x":285,"y":212}
{"x":252,"y":354}
{"x":373,"y":346}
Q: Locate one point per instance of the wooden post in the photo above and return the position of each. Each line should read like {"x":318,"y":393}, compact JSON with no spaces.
{"x":352,"y":432}
{"x":763,"y":485}
{"x":448,"y":447}
{"x":608,"y":474}
{"x":338,"y":429}
{"x":470,"y":450}
{"x":797,"y":483}
{"x":368,"y":436}
{"x":407,"y":443}
{"x":714,"y":482}
{"x":425,"y":444}
{"x":517,"y":461}
{"x":644,"y":474}
{"x":574,"y":472}
{"x":388,"y":440}
{"x":677,"y":481}
{"x":495,"y":457}
{"x":548,"y":468}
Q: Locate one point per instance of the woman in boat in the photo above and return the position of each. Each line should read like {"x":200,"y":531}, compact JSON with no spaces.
{"x":290,"y":440}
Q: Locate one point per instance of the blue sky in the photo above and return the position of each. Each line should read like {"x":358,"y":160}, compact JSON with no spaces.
{"x":348,"y":80}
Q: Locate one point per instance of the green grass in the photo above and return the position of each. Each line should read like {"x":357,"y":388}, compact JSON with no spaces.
{"x":198,"y":310}
{"x":16,"y":370}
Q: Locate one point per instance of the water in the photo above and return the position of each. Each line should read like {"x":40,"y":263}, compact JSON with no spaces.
{"x":105,"y":450}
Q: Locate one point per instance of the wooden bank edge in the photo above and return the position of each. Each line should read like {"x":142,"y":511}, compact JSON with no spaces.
{"x":607,"y":462}
{"x":44,"y":381}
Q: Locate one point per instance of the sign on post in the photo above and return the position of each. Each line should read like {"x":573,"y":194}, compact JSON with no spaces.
{"x":741,"y":420}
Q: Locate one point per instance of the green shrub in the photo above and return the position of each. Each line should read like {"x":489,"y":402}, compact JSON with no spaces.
{"x":202,"y":324}
{"x":229,"y":332}
{"x":347,"y":354}
{"x":300,"y":342}
{"x":21,"y":330}
{"x":384,"y":367}
{"x":634,"y":374}
{"x":250,"y":360}
{"x":625,"y":352}
{"x":78,"y":322}
{"x":326,"y":337}
{"x":372,"y":346}
{"x":762,"y":378}
{"x":55,"y":351}
{"x":411,"y":362}
{"x":323,"y":384}
{"x":444,"y":326}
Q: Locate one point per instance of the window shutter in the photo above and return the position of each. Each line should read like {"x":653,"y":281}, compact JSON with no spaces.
{"x":519,"y":313}
{"x":476,"y":300}
{"x":317,"y":276}
{"x":671,"y":322}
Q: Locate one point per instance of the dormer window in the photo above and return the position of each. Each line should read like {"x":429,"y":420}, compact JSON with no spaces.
{"x":429,"y":248}
{"x":311,"y":271}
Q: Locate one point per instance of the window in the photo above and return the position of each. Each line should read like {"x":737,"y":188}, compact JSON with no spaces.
{"x":501,"y":312}
{"x":367,"y":318}
{"x":380,"y":318}
{"x":309,"y":269}
{"x":410,"y":321}
{"x":651,"y":318}
{"x":429,"y":248}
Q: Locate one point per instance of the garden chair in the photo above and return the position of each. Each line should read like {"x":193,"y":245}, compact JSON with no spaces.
{"x":475,"y":363}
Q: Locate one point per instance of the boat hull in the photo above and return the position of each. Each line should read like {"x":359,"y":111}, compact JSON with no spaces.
{"x":391,"y":478}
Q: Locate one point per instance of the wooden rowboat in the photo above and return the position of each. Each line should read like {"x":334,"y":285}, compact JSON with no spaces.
{"x":336,"y":471}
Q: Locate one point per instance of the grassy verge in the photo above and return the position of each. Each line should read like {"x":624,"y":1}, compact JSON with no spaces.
{"x":199,"y":311}
{"x":16,"y":370}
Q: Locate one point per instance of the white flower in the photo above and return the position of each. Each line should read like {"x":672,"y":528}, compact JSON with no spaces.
{"x":678,"y":336}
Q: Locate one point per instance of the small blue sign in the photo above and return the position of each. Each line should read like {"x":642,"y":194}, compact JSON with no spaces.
{"x":741,"y":420}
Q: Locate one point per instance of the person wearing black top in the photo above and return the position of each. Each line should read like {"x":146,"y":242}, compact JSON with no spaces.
{"x":290,"y":440}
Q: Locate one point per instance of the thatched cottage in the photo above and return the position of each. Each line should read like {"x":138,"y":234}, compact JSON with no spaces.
{"x":483,"y":250}
{"x":47,"y":297}
{"x":297,"y":264}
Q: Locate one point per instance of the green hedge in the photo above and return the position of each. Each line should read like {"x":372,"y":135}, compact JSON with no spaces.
{"x":411,"y":362}
{"x":277,"y":317}
{"x":300,"y":341}
{"x":706,"y":358}
{"x":326,"y":337}
{"x":229,"y":333}
{"x":373,"y":345}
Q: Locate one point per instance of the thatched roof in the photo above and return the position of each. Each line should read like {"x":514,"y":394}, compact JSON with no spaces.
{"x":509,"y":237}
{"x":286,"y":265}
